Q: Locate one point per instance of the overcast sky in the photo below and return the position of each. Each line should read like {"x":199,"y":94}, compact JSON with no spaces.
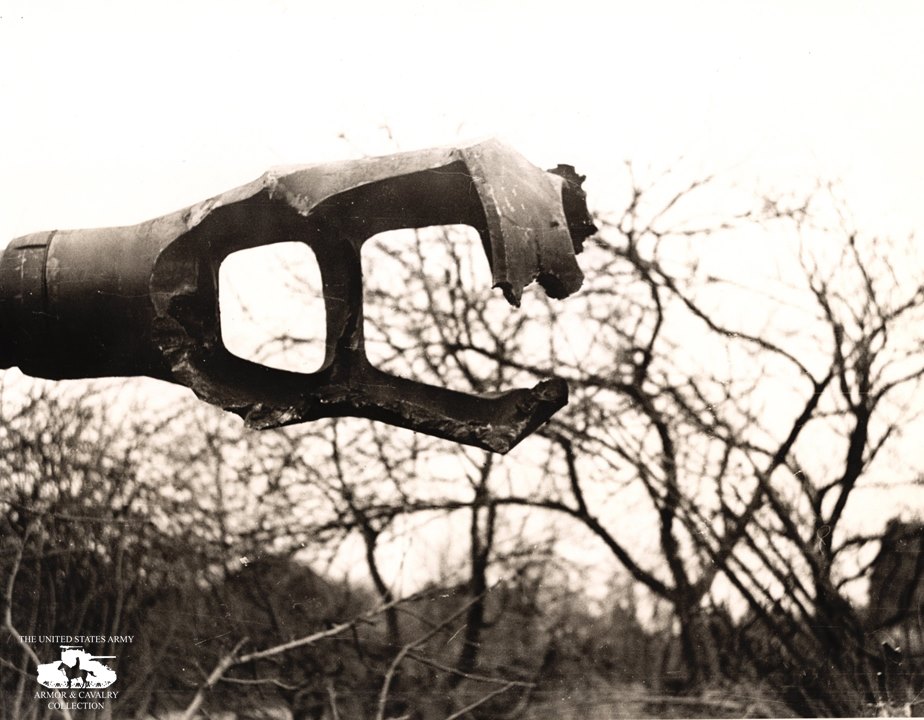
{"x":117,"y":111}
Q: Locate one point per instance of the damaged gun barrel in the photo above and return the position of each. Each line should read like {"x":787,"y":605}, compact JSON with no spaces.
{"x":143,"y":300}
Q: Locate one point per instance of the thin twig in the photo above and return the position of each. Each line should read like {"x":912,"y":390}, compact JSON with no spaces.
{"x":220,"y":669}
{"x":408,"y":647}
{"x":480,"y":701}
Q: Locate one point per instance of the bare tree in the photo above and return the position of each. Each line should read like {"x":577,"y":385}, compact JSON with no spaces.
{"x":722,"y":434}
{"x":716,"y":432}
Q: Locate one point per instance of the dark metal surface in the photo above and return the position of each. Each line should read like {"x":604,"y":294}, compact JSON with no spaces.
{"x":143,"y":300}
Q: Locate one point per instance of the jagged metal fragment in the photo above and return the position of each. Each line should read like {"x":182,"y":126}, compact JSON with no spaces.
{"x":143,"y":300}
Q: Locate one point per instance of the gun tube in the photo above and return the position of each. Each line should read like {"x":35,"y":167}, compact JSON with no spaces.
{"x":143,"y":300}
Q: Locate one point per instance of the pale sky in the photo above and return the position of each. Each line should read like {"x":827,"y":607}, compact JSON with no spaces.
{"x":117,"y":111}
